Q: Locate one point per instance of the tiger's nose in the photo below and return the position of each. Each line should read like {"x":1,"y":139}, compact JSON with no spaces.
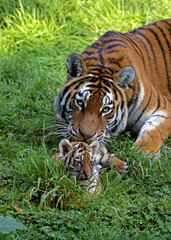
{"x":84,"y":135}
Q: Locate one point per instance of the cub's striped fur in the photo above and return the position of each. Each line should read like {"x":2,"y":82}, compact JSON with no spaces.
{"x":85,"y":160}
{"x":122,"y":81}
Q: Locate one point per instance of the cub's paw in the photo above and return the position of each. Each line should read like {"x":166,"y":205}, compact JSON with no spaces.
{"x":119,"y":165}
{"x":124,"y":168}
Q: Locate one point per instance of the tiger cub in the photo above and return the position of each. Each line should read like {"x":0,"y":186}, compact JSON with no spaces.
{"x":84,"y":161}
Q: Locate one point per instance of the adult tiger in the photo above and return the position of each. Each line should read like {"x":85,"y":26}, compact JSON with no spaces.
{"x":122,"y":81}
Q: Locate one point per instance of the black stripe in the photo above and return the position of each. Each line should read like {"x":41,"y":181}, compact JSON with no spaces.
{"x":144,"y":45}
{"x":88,"y":53}
{"x":109,"y":118}
{"x":78,"y":84}
{"x":100,"y":56}
{"x":89,"y":90}
{"x":165,"y":37}
{"x":72,"y":83}
{"x":116,"y":127}
{"x":64,"y":92}
{"x":115,"y":45}
{"x":91,"y":58}
{"x":117,"y":111}
{"x":168,"y":24}
{"x":109,"y":33}
{"x":98,"y":66}
{"x":91,"y":86}
{"x":93,"y":80}
{"x":144,"y":109}
{"x":163,"y":53}
{"x":113,"y":40}
{"x":115,"y":61}
{"x":115,"y":93}
{"x":112,"y":124}
{"x":106,"y":77}
{"x":131,"y":101}
{"x":102,"y":155}
{"x":137,"y":32}
{"x":122,"y":104}
{"x":63,"y":112}
{"x":112,"y":51}
{"x":108,"y":161}
{"x":69,"y":94}
{"x":158,"y":98}
{"x":133,"y":45}
{"x":96,"y":46}
{"x":64,"y":106}
{"x":107,"y":83}
{"x":158,"y":115}
{"x":136,"y":90}
{"x":106,"y":89}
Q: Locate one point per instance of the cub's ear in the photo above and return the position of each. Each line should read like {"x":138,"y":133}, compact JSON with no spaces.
{"x":75,"y":66}
{"x":124,"y":77}
{"x":64,"y":147}
{"x":94,"y":146}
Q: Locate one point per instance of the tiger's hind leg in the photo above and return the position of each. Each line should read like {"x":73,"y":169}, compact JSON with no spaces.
{"x":154,"y":132}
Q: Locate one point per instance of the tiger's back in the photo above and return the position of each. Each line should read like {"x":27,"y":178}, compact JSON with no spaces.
{"x":154,"y":41}
{"x":148,"y":49}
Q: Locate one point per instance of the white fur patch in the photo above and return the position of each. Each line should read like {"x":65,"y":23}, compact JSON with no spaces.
{"x":96,"y":171}
{"x":133,"y":108}
{"x":84,"y":89}
{"x":107,"y":98}
{"x":152,"y":122}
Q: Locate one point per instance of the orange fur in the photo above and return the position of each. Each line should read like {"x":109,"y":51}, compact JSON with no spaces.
{"x":122,"y":81}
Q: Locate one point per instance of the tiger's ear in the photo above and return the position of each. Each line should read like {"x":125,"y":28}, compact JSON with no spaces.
{"x":75,"y":66}
{"x":94,"y":146}
{"x":124,"y":77}
{"x":64,"y":147}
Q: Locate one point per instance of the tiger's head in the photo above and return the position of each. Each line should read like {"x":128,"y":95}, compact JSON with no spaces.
{"x":93,"y":102}
{"x":79,"y":158}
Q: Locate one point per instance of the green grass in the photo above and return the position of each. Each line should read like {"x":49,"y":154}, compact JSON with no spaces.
{"x":36,"y":37}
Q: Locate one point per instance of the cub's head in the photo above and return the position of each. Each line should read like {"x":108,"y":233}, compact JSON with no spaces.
{"x":92,"y":103}
{"x":79,"y":158}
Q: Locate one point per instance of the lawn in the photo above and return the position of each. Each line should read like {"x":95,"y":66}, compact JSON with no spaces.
{"x":36,"y":37}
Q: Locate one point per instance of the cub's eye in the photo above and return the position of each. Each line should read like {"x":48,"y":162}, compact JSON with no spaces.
{"x":80,"y":102}
{"x":105,"y":109}
{"x":92,"y":162}
{"x":78,"y":161}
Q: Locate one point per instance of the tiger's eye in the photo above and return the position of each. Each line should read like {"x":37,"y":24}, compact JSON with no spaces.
{"x":106,"y":109}
{"x":80,"y":102}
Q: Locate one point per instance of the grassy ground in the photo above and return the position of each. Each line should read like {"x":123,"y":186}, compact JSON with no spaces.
{"x":36,"y":36}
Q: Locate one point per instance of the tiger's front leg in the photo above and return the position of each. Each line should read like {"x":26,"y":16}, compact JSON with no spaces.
{"x":154,"y":132}
{"x":110,"y":161}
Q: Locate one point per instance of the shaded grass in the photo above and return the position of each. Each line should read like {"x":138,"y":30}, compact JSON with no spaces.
{"x":35,"y":39}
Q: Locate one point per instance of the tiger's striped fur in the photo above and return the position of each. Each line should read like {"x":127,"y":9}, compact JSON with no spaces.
{"x":120,"y":82}
{"x":85,"y":160}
